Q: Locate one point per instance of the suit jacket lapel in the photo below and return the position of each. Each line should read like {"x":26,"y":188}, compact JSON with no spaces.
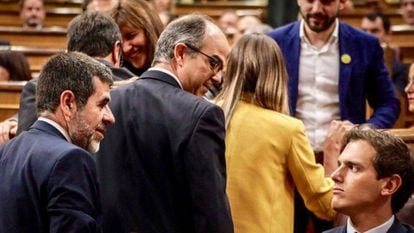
{"x":396,"y":227}
{"x":346,"y":48}
{"x":160,"y":76}
{"x":293,"y":56}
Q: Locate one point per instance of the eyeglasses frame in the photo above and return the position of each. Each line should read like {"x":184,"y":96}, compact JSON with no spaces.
{"x":216,"y":64}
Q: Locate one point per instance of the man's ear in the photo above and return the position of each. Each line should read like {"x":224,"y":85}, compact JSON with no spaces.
{"x":68,"y":104}
{"x":116,"y":53}
{"x":391,"y":185}
{"x":179,"y":52}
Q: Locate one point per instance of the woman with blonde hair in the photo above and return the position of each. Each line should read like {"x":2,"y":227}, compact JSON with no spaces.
{"x":140,"y":27}
{"x":267,"y":152}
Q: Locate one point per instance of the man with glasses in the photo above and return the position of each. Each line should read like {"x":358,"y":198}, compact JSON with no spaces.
{"x":162,"y":166}
{"x":333,"y":69}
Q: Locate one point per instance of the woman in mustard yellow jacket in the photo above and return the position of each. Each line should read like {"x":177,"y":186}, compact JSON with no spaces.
{"x":267,"y":152}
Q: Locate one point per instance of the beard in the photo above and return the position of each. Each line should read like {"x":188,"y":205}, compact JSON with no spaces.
{"x":83,"y":135}
{"x":33,"y":22}
{"x":324,"y":21}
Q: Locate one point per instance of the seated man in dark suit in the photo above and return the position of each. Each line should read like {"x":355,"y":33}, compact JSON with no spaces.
{"x":373,"y":182}
{"x":47,"y":177}
{"x":162,"y":166}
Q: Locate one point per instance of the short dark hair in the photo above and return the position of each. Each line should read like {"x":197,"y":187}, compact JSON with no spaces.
{"x":93,"y":33}
{"x":393,"y":157}
{"x":386,"y":23}
{"x":69,"y":71}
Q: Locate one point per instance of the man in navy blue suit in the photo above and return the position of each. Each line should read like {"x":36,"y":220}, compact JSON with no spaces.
{"x":47,"y":176}
{"x":162,"y":166}
{"x":373,"y":182}
{"x":333,"y":70}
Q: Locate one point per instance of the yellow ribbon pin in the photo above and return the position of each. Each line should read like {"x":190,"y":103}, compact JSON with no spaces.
{"x":346,"y":59}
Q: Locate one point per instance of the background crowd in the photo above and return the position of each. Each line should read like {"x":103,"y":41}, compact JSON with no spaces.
{"x":152,"y":123}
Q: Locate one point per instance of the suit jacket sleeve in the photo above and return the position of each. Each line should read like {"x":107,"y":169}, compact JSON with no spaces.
{"x":206,"y":174}
{"x":380,"y":93}
{"x":73,"y":200}
{"x":309,"y":177}
{"x":27,"y":109}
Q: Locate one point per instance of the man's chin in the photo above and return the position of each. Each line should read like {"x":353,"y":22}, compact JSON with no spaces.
{"x":201,"y":91}
{"x":93,"y":146}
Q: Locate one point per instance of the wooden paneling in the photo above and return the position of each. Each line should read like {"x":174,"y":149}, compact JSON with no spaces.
{"x":53,"y":37}
{"x":58,"y":13}
{"x":58,"y":17}
{"x":407,"y":135}
{"x":215,"y":9}
{"x":9,"y":98}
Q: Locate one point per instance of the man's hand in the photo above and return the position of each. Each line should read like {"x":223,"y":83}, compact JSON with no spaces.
{"x":333,"y":144}
{"x":8,"y":129}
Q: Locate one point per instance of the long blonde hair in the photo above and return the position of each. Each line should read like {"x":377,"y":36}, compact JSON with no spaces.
{"x":255,"y":66}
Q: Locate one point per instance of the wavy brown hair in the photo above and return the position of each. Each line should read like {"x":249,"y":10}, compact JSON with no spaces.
{"x":139,"y":14}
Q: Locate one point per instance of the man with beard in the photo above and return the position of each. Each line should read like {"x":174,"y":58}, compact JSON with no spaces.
{"x":333,"y":69}
{"x":32,"y":13}
{"x":47,"y":177}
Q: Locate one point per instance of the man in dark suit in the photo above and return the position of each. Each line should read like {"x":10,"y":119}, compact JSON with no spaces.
{"x":94,"y":34}
{"x":161,"y":167}
{"x":47,"y":177}
{"x":373,"y":182}
{"x":333,"y":70}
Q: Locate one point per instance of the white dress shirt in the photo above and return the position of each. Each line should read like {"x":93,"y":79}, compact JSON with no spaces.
{"x":57,"y":126}
{"x":318,"y":99}
{"x":383,"y":228}
{"x":168,"y":72}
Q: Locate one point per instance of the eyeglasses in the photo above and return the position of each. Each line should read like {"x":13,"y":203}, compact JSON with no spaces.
{"x":215,"y":62}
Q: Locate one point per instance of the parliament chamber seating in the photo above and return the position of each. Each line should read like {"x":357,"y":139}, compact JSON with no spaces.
{"x":9,"y":98}
{"x":39,"y":45}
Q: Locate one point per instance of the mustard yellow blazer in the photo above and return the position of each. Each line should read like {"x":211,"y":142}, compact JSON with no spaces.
{"x":267,"y":154}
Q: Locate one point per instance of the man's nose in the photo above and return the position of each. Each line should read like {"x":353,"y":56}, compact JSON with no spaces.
{"x":317,"y":6}
{"x":218,"y":77}
{"x":108,"y":117}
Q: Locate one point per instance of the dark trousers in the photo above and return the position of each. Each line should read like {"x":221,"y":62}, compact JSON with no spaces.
{"x":305,"y":221}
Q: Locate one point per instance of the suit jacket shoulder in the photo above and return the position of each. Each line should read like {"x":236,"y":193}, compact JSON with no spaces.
{"x":341,"y":229}
{"x":54,"y":181}
{"x":396,"y":227}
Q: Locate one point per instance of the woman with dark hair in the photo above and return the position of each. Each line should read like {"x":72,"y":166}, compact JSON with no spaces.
{"x":140,"y":28}
{"x":267,"y":152}
{"x":14,"y":66}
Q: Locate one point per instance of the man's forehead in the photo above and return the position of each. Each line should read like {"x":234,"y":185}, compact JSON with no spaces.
{"x":359,"y":150}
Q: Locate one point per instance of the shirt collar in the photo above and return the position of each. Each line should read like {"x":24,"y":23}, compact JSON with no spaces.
{"x":57,"y":126}
{"x":378,"y":229}
{"x":334,"y":35}
{"x":168,"y":72}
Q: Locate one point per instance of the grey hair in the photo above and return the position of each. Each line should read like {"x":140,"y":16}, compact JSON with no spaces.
{"x":189,"y":29}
